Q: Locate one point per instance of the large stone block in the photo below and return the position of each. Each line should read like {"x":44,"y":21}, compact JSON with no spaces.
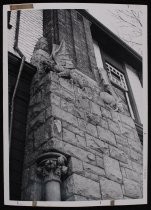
{"x":127,"y":131}
{"x":126,"y":165}
{"x":79,"y":153}
{"x":104,"y":123}
{"x":55,"y":99}
{"x":78,"y":113}
{"x":93,"y":169}
{"x":81,"y":141}
{"x":64,"y":104}
{"x":137,"y":167}
{"x":106,"y":113}
{"x":91,"y":129}
{"x":134,"y":155}
{"x":72,"y":128}
{"x":95,"y":109}
{"x":93,"y":118}
{"x":114,"y":127}
{"x":130,"y":174}
{"x":97,"y":144}
{"x":106,"y":135}
{"x":135,"y":145}
{"x":121,"y":140}
{"x":71,"y":107}
{"x":53,"y":128}
{"x":132,"y":189}
{"x":68,"y":96}
{"x":82,"y":124}
{"x":91,"y":176}
{"x":75,"y":166}
{"x":82,"y":102}
{"x":69,"y":137}
{"x":79,"y":185}
{"x":112,"y":169}
{"x":52,"y":144}
{"x":123,"y":148}
{"x":54,"y":88}
{"x":110,"y":189}
{"x":118,"y":154}
{"x":66,"y":84}
{"x":127,"y":120}
{"x":99,"y":162}
{"x":61,"y":114}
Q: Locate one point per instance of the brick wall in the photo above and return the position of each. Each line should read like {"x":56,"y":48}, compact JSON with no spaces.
{"x":30,"y":29}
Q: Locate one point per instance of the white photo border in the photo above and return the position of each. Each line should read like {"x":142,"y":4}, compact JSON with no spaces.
{"x":7,"y":201}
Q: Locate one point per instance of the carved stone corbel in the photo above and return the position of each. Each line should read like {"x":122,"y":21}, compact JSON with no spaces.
{"x":108,"y":95}
{"x":60,"y":62}
{"x":51,"y":167}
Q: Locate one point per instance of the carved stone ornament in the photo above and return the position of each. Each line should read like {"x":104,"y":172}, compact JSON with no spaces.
{"x":108,"y":95}
{"x":109,"y":99}
{"x":51,"y":166}
{"x":60,"y":62}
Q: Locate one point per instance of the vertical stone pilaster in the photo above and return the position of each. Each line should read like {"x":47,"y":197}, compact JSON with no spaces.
{"x":90,"y":48}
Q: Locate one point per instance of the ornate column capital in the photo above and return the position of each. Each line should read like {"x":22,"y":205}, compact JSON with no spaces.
{"x":51,"y":166}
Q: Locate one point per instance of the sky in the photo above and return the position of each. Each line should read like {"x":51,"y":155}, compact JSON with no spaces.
{"x":103,"y":13}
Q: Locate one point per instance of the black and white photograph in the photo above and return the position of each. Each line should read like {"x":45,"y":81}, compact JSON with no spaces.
{"x":75,"y":104}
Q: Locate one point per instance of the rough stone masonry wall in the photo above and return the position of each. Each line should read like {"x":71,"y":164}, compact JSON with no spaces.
{"x":102,"y":146}
{"x":105,"y":154}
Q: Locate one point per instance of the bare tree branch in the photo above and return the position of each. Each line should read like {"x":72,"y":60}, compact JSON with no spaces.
{"x":130,"y":24}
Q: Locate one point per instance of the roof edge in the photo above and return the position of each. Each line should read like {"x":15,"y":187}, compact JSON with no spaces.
{"x":110,"y":33}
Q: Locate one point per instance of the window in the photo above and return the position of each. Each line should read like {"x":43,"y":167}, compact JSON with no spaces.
{"x":118,"y":81}
{"x":125,"y":81}
{"x":116,"y":76}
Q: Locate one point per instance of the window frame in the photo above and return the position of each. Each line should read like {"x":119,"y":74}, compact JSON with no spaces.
{"x":126,"y":90}
{"x":130,"y":92}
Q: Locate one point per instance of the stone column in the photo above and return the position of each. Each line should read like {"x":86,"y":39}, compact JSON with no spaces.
{"x":51,"y":168}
